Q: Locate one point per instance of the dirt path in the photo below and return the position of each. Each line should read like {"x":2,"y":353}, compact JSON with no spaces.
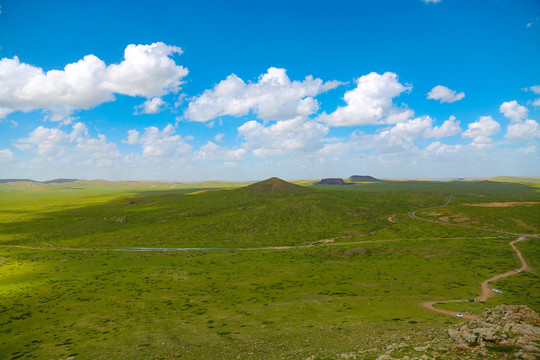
{"x":486,"y":290}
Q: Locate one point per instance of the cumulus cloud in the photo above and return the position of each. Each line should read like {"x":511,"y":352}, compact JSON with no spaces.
{"x":444,"y":94}
{"x":52,"y":143}
{"x":147,"y":70}
{"x":519,"y":129}
{"x":397,"y":139}
{"x":481,"y":130}
{"x":401,"y":137}
{"x":6,"y":155}
{"x":286,"y":136}
{"x":448,"y":128}
{"x":370,"y":102}
{"x":159,"y":144}
{"x":535,"y":89}
{"x":439,"y":148}
{"x":513,"y":111}
{"x":523,"y":130}
{"x":272,"y":97}
{"x":150,"y":106}
{"x":214,"y":152}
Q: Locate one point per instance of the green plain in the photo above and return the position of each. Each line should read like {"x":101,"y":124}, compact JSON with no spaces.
{"x":292,"y":272}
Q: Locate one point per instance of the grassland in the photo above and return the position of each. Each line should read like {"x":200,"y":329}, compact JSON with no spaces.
{"x":289,"y":271}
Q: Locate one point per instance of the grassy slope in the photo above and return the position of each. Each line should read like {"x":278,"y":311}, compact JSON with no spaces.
{"x":322,"y":300}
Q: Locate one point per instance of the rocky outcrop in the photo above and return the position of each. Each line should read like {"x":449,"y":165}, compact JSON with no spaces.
{"x":362,"y":178}
{"x":331,"y":181}
{"x":507,"y":328}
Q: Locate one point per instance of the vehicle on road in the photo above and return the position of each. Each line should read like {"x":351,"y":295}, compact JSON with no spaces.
{"x":459,"y":315}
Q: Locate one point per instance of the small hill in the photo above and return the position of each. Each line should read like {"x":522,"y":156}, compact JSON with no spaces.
{"x":515,"y":179}
{"x":331,"y":181}
{"x":362,"y":178}
{"x":275,"y":185}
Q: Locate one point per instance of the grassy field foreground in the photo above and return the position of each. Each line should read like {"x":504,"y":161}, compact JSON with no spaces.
{"x":67,"y":292}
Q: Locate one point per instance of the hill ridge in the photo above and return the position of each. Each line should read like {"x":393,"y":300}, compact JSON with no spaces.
{"x":362,"y":178}
{"x":275,"y":185}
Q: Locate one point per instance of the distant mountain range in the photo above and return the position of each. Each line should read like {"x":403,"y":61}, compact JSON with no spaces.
{"x":55,"y":181}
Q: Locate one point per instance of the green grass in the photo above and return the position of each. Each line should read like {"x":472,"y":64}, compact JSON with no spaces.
{"x":245,"y":300}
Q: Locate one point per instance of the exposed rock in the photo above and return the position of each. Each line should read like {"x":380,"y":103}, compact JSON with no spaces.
{"x":454,"y":334}
{"x":486,"y":334}
{"x":469,"y":337}
{"x":491,"y":329}
{"x":331,"y":181}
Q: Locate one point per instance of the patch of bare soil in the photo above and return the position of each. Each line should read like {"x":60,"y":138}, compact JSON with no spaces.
{"x":391,"y":218}
{"x":504,"y":204}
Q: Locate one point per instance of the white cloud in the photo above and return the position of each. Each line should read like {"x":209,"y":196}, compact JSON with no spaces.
{"x":438,"y":148}
{"x":513,"y":111}
{"x":147,"y":70}
{"x":535,"y":89}
{"x":159,"y":144}
{"x":448,"y":128}
{"x":520,"y":129}
{"x":402,"y":136}
{"x":273,"y":97}
{"x":150,"y":106}
{"x":284,"y":137}
{"x":397,"y":139}
{"x":51,"y":143}
{"x":444,"y":94}
{"x":481,"y":130}
{"x":523,"y":130}
{"x":6,"y":155}
{"x":370,"y":102}
{"x":214,"y":152}
{"x":4,"y":112}
{"x":219,"y":137}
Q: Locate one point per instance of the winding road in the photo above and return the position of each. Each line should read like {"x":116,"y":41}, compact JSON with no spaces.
{"x":486,"y":290}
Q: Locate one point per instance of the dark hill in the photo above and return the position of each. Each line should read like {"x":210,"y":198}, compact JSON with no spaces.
{"x":3,"y":181}
{"x":59,"y":181}
{"x":331,"y":181}
{"x":362,"y":178}
{"x":274,"y":185}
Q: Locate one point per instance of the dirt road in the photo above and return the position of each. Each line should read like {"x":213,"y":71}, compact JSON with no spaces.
{"x":486,"y":290}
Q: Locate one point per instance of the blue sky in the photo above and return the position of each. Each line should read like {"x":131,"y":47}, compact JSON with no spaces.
{"x":245,"y":90}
